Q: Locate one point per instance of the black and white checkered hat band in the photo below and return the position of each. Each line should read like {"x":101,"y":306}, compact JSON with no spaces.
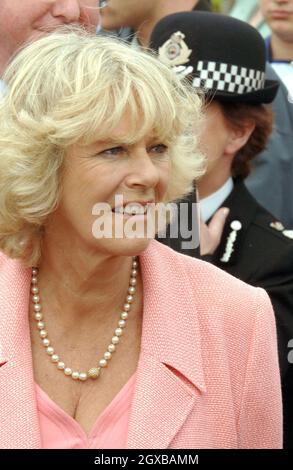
{"x":227,"y":77}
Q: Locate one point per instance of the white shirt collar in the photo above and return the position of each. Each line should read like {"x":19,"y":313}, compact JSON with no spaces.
{"x":210,"y":204}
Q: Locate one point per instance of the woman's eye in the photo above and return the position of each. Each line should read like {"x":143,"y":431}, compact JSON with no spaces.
{"x":112,"y":151}
{"x":160,"y":149}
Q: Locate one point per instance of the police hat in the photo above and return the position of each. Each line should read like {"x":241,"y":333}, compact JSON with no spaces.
{"x":222,"y":55}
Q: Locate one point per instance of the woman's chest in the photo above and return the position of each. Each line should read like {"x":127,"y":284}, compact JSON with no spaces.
{"x":86,"y":401}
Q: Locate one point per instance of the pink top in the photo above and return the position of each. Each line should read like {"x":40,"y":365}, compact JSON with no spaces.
{"x":61,"y":431}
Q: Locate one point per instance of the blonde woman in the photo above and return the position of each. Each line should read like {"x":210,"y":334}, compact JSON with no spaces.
{"x":116,"y":341}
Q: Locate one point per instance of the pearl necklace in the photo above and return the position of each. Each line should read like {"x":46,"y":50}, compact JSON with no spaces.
{"x":94,"y":372}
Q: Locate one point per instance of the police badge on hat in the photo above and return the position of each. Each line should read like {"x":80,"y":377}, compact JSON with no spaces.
{"x":175,"y":53}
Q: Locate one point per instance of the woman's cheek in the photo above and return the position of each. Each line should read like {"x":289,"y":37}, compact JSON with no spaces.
{"x":164,"y":180}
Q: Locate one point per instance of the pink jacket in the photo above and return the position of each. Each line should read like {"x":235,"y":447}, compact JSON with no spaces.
{"x":207,"y":374}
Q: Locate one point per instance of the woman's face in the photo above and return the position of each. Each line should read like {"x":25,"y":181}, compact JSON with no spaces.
{"x":116,"y":174}
{"x":214,"y":137}
{"x":219,"y":142}
{"x":215,"y":144}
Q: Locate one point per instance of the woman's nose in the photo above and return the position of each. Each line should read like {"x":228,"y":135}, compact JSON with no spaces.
{"x":143,"y":171}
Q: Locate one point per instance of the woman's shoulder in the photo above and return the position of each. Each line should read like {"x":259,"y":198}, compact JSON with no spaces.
{"x":4,"y":261}
{"x":10,"y":269}
{"x":212,"y":289}
{"x":198,"y":271}
{"x":216,"y":301}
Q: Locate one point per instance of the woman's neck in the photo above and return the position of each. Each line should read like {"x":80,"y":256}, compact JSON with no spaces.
{"x":208,"y":185}
{"x":82,"y":288}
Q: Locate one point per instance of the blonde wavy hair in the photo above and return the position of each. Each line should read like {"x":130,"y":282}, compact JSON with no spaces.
{"x":73,"y":87}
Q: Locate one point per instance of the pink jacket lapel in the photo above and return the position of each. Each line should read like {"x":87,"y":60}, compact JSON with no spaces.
{"x":170,"y":377}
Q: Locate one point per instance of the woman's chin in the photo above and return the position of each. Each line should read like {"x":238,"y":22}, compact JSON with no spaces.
{"x":126,"y":246}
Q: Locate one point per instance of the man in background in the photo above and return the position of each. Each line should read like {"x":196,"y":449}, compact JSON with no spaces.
{"x":26,"y":20}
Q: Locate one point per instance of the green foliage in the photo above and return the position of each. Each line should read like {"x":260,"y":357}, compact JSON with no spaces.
{"x":216,"y":4}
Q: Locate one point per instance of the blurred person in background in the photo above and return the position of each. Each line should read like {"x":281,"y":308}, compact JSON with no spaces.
{"x":140,"y":17}
{"x":22,"y":22}
{"x":249,"y":11}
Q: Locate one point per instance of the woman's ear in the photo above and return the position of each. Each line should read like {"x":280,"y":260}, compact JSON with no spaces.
{"x":238,"y":137}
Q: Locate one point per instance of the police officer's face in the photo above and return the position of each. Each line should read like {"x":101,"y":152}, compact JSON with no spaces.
{"x":24,"y":20}
{"x":124,"y":13}
{"x":219,"y":142}
{"x":214,"y":138}
{"x":279,"y":16}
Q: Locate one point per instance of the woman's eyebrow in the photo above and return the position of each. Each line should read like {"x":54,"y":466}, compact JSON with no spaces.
{"x":114,"y":141}
{"x":124,"y":141}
